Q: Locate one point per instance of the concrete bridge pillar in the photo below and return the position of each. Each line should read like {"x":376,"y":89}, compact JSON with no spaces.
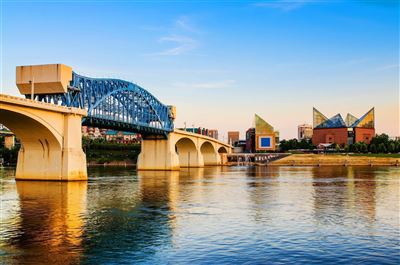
{"x":181,"y":150}
{"x":158,"y":154}
{"x":40,"y":158}
{"x":51,"y":139}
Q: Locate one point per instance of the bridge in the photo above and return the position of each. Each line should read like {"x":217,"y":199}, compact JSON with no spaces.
{"x":59,"y":101}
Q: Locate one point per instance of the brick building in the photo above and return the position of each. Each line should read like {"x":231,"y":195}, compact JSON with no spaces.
{"x":343,"y":132}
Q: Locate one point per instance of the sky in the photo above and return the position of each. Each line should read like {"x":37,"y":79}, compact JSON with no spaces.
{"x":220,"y":62}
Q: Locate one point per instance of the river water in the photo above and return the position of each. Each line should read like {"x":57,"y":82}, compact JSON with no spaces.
{"x":224,"y":215}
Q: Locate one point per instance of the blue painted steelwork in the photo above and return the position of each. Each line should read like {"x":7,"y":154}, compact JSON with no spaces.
{"x":115,"y":104}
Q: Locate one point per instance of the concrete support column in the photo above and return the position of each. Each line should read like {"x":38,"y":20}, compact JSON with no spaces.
{"x":158,"y":154}
{"x":73,"y":157}
{"x":41,"y":157}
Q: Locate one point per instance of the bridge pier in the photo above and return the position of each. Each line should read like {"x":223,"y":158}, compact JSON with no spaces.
{"x":51,"y":139}
{"x":158,"y":154}
{"x":181,"y":150}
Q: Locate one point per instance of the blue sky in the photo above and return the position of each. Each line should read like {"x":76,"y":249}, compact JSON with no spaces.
{"x":219,"y":62}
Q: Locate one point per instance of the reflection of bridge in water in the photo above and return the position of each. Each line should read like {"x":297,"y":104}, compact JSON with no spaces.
{"x":59,"y":101}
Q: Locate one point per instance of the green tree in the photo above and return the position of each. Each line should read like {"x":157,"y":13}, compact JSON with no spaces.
{"x":372,"y":148}
{"x":346,"y":148}
{"x":382,"y":148}
{"x":391,"y":147}
{"x":363,"y":147}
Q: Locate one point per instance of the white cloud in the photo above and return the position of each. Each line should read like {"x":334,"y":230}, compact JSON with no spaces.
{"x":183,"y":45}
{"x":184,"y":23}
{"x":182,"y":35}
{"x":284,"y":5}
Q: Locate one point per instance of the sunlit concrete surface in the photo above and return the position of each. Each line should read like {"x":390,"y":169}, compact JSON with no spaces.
{"x":182,"y":149}
{"x":51,"y":139}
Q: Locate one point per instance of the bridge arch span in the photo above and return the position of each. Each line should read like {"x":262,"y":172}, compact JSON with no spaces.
{"x":222,"y":150}
{"x":210,"y":155}
{"x":181,"y":149}
{"x":187,"y":151}
{"x":51,"y":144}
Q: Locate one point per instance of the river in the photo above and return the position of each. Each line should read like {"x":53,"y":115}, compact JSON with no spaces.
{"x":224,"y":215}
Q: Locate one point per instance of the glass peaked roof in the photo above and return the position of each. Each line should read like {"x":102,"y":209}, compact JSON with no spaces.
{"x":350,"y":120}
{"x":366,"y":121}
{"x":262,"y":126}
{"x":318,"y":118}
{"x":334,"y":122}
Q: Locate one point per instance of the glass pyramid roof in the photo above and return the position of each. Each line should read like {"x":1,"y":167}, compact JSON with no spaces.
{"x":366,"y":121}
{"x":262,"y":127}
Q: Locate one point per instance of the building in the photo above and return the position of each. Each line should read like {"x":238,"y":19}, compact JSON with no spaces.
{"x":250,"y":140}
{"x":203,"y":131}
{"x":343,"y":132}
{"x":266,"y":138}
{"x":122,"y":137}
{"x":233,"y":137}
{"x":213,"y":134}
{"x":93,"y":132}
{"x":304,"y":131}
{"x":261,"y":138}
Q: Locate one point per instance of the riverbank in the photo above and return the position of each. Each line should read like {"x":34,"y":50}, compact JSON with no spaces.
{"x":336,"y":160}
{"x":126,"y":163}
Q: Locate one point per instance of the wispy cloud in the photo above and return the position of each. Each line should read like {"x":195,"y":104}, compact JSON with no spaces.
{"x":207,"y":85}
{"x":182,"y":45}
{"x":184,"y":23}
{"x":388,"y":67}
{"x":182,"y":34}
{"x":284,"y":5}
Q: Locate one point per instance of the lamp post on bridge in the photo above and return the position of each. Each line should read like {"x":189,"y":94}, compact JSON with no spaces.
{"x":32,"y":82}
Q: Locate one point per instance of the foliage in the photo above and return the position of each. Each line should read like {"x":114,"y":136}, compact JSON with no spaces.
{"x":293,"y":144}
{"x":379,"y":144}
{"x":9,"y":155}
{"x":101,"y":151}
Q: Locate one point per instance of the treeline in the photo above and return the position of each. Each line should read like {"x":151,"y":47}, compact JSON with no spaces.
{"x":8,"y":156}
{"x":294,"y":144}
{"x":379,"y":144}
{"x":101,"y":151}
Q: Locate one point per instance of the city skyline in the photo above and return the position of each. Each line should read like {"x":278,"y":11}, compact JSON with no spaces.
{"x":280,"y":61}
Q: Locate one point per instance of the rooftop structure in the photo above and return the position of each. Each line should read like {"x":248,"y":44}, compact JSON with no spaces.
{"x":342,"y":132}
{"x":266,"y":138}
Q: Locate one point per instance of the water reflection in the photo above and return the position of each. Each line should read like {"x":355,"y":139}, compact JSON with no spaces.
{"x":50,"y":222}
{"x":230,"y":215}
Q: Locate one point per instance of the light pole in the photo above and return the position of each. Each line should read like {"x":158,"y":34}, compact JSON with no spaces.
{"x":32,"y":82}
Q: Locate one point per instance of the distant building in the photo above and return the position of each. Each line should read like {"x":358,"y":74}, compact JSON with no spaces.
{"x":233,"y":137}
{"x":122,"y":137}
{"x":202,"y":131}
{"x":250,"y":140}
{"x":213,"y":134}
{"x":261,"y":138}
{"x":343,"y":132}
{"x":93,"y":132}
{"x":304,"y":131}
{"x":266,"y":137}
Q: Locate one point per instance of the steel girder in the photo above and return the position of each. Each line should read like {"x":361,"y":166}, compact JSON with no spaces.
{"x":115,"y":104}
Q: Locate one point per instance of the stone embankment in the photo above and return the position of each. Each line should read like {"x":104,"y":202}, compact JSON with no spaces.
{"x":335,"y":160}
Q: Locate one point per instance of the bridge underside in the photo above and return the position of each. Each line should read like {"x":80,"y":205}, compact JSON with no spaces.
{"x":51,"y":144}
{"x":180,"y":150}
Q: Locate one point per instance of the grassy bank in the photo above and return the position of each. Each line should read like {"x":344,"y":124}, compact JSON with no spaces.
{"x":338,"y":159}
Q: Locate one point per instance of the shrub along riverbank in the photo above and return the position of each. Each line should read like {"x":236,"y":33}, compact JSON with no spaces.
{"x":99,"y":151}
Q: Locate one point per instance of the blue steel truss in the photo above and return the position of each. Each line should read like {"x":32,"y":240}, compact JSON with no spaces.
{"x":115,"y":104}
